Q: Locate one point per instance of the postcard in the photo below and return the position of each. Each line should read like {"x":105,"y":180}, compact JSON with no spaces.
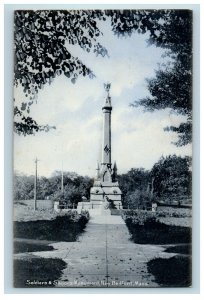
{"x":102,"y":190}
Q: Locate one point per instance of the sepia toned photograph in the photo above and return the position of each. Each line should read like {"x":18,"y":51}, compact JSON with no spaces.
{"x":102,"y":148}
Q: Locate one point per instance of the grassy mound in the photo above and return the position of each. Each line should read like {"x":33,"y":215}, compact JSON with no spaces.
{"x":22,"y":247}
{"x":182,"y":249}
{"x":37,"y":272}
{"x":146,"y":228}
{"x":62,"y":228}
{"x":172,"y":272}
{"x":31,"y":271}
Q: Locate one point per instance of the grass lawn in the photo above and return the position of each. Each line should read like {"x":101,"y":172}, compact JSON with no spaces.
{"x":23,"y":246}
{"x":164,"y":228}
{"x":59,"y":229}
{"x":24,"y":213}
{"x":182,"y":249}
{"x":158,"y":233}
{"x":37,"y":272}
{"x":33,"y":231}
{"x":47,"y":224}
{"x":172,"y":272}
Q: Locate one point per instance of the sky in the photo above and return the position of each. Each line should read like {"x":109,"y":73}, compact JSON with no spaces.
{"x":138,"y":138}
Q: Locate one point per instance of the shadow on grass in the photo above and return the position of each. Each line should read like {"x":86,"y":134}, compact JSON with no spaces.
{"x":172,"y":272}
{"x":158,"y":233}
{"x":168,"y":272}
{"x":22,"y":247}
{"x":182,"y":249}
{"x":37,"y":272}
{"x":59,"y":229}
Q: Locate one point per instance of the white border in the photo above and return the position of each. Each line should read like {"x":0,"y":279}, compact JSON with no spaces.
{"x":115,"y":4}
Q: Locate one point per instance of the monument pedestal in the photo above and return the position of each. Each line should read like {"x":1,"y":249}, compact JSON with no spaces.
{"x":106,"y":193}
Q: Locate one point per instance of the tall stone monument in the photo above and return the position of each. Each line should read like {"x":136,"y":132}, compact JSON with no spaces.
{"x":105,"y":192}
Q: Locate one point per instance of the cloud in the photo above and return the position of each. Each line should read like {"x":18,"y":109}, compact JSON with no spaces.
{"x":130,"y":60}
{"x":146,"y":142}
{"x":138,"y":139}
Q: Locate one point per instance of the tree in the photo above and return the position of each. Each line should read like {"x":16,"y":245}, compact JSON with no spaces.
{"x":26,"y":125}
{"x":44,"y":188}
{"x":23,"y":187}
{"x":138,"y":199}
{"x":172,"y":178}
{"x":41,"y":55}
{"x":75,"y":186}
{"x":133,"y":180}
{"x":134,"y":186}
{"x":172,"y":85}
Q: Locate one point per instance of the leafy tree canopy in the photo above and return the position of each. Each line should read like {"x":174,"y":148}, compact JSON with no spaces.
{"x":172,"y":177}
{"x":134,"y":179}
{"x":172,"y":85}
{"x":41,"y":55}
{"x":75,"y":186}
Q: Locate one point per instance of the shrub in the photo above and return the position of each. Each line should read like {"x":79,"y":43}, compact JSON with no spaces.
{"x":66,"y":226}
{"x":174,"y":212}
{"x":146,"y":228}
{"x":163,"y":212}
{"x":139,"y":217}
{"x":85,"y":214}
{"x":138,"y":199}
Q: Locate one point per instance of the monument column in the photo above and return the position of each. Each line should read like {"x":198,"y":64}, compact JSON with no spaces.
{"x":106,"y":190}
{"x":106,"y":145}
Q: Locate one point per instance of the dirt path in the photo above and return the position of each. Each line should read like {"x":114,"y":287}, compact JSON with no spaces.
{"x":104,"y":256}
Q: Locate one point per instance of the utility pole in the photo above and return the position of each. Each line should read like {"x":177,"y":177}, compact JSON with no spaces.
{"x":62,"y":183}
{"x":35,"y":184}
